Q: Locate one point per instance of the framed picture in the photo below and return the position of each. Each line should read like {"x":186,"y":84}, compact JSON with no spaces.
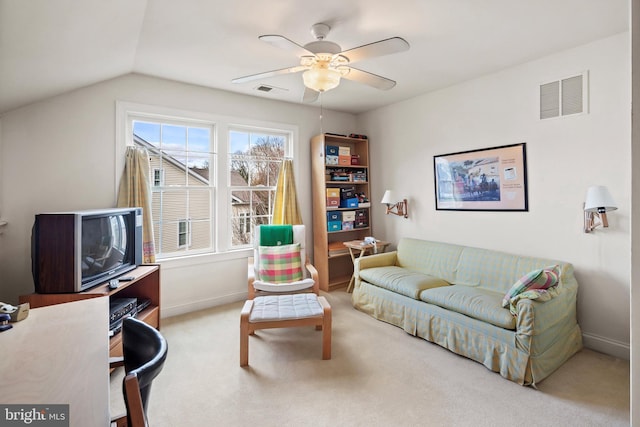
{"x":488,"y":179}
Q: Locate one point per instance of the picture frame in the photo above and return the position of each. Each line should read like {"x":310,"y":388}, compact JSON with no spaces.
{"x":486,"y":179}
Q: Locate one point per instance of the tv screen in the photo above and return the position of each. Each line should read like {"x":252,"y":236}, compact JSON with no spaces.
{"x":104,"y":244}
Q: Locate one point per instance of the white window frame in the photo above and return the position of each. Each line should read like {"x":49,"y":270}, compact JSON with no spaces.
{"x":222,"y":249}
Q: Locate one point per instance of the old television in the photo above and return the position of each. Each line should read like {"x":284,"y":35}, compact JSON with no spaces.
{"x":75,"y":251}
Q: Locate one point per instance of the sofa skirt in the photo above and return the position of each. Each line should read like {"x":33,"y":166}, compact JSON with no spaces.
{"x":498,"y":349}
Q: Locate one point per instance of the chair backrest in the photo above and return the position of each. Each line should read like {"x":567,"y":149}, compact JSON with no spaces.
{"x":298,"y":237}
{"x":144,"y":353}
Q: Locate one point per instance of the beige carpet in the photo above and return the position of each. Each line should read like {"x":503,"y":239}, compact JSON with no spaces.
{"x":378,"y":376}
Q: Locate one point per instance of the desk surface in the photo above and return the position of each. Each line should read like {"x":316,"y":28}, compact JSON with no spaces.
{"x":359,"y":244}
{"x":60,"y":355}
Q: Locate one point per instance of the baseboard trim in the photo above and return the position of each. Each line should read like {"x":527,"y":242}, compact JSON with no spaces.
{"x":202,"y":304}
{"x":607,"y":345}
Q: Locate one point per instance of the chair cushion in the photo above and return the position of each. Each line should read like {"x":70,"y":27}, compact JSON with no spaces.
{"x":298,"y":285}
{"x":280,"y":264}
{"x":543,"y":278}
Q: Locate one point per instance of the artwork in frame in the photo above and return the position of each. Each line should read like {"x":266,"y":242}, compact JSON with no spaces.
{"x":487,"y":179}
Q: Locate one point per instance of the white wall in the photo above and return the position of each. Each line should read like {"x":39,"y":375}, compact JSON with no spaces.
{"x":635,"y":218}
{"x":564,"y":157}
{"x":59,"y":154}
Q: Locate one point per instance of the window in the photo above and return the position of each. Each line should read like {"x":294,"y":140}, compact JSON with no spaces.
{"x":158,"y":177}
{"x":213,"y":177}
{"x":181,"y":155}
{"x":184,"y":233}
{"x":255,"y":158}
{"x":245,"y":222}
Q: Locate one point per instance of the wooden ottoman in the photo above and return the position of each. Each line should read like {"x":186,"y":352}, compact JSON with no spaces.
{"x":285,"y":311}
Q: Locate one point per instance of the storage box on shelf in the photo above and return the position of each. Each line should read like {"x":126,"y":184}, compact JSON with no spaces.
{"x":340,"y":171}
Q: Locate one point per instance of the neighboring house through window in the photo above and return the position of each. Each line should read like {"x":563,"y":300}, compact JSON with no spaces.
{"x":181,"y":155}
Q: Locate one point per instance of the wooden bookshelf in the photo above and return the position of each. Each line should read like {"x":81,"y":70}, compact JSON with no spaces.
{"x":334,"y":266}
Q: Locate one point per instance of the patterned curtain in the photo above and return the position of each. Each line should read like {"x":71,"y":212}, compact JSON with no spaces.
{"x":135,"y":191}
{"x":285,"y":206}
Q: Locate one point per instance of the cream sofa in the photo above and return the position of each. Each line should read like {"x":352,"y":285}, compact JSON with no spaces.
{"x":452,"y":295}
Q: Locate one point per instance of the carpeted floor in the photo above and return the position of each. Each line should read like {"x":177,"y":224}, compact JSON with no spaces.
{"x":378,"y":376}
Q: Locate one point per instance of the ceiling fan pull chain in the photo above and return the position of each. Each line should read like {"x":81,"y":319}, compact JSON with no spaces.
{"x":321,"y":112}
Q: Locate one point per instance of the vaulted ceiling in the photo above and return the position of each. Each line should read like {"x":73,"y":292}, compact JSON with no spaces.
{"x":48,"y":47}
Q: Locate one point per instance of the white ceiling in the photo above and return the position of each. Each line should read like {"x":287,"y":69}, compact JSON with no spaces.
{"x":48,"y":47}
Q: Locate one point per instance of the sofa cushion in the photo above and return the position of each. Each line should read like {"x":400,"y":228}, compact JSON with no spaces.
{"x":400,"y":280}
{"x":479,"y":303}
{"x":433,"y":258}
{"x":494,"y":270}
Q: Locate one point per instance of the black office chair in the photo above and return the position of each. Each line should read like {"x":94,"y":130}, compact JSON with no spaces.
{"x":144,"y":353}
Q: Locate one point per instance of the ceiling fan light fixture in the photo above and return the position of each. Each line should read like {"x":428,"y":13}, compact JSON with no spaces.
{"x":321,"y":79}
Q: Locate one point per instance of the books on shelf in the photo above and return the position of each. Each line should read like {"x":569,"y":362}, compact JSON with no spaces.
{"x":337,"y":248}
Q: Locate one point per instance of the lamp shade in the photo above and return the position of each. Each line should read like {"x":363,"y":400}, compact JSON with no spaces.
{"x":388,"y":198}
{"x":321,"y":79}
{"x":599,"y":200}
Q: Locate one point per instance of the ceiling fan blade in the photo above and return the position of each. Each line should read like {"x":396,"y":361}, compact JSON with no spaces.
{"x":267,"y":74}
{"x":379,"y":48}
{"x":370,"y":79}
{"x":286,"y":44}
{"x":309,"y":95}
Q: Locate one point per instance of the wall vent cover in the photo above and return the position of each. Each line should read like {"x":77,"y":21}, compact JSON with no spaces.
{"x":267,"y":88}
{"x":564,"y":97}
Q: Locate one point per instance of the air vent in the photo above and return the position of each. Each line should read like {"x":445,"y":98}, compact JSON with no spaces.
{"x":564,"y":97}
{"x":267,"y":89}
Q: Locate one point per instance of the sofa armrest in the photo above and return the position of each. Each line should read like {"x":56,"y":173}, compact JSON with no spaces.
{"x":377,"y":260}
{"x":535,"y":317}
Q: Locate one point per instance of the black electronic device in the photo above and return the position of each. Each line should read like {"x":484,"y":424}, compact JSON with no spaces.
{"x":143,"y":303}
{"x":114,"y":283}
{"x":119,"y":308}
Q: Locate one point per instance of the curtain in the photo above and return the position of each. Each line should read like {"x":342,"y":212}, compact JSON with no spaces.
{"x":135,"y":191}
{"x":285,"y":206}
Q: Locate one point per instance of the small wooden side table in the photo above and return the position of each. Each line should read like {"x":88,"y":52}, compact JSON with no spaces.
{"x":355,"y":245}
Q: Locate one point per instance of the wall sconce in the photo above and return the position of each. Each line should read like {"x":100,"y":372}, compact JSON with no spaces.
{"x":597,"y":204}
{"x":393,"y":207}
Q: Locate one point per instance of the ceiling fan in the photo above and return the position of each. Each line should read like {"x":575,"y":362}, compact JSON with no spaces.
{"x":324,"y":62}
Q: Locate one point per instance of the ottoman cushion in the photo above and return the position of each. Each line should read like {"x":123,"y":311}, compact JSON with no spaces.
{"x":285,"y":307}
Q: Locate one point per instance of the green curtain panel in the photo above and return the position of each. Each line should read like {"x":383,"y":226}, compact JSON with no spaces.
{"x":285,"y":206}
{"x":135,"y":191}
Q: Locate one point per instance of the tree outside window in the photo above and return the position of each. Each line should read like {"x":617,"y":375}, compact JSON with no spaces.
{"x":255,"y":159}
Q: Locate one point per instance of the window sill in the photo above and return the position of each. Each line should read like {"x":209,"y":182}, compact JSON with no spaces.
{"x":185,"y":261}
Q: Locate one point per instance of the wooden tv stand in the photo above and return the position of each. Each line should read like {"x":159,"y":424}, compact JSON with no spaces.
{"x":146,"y":284}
